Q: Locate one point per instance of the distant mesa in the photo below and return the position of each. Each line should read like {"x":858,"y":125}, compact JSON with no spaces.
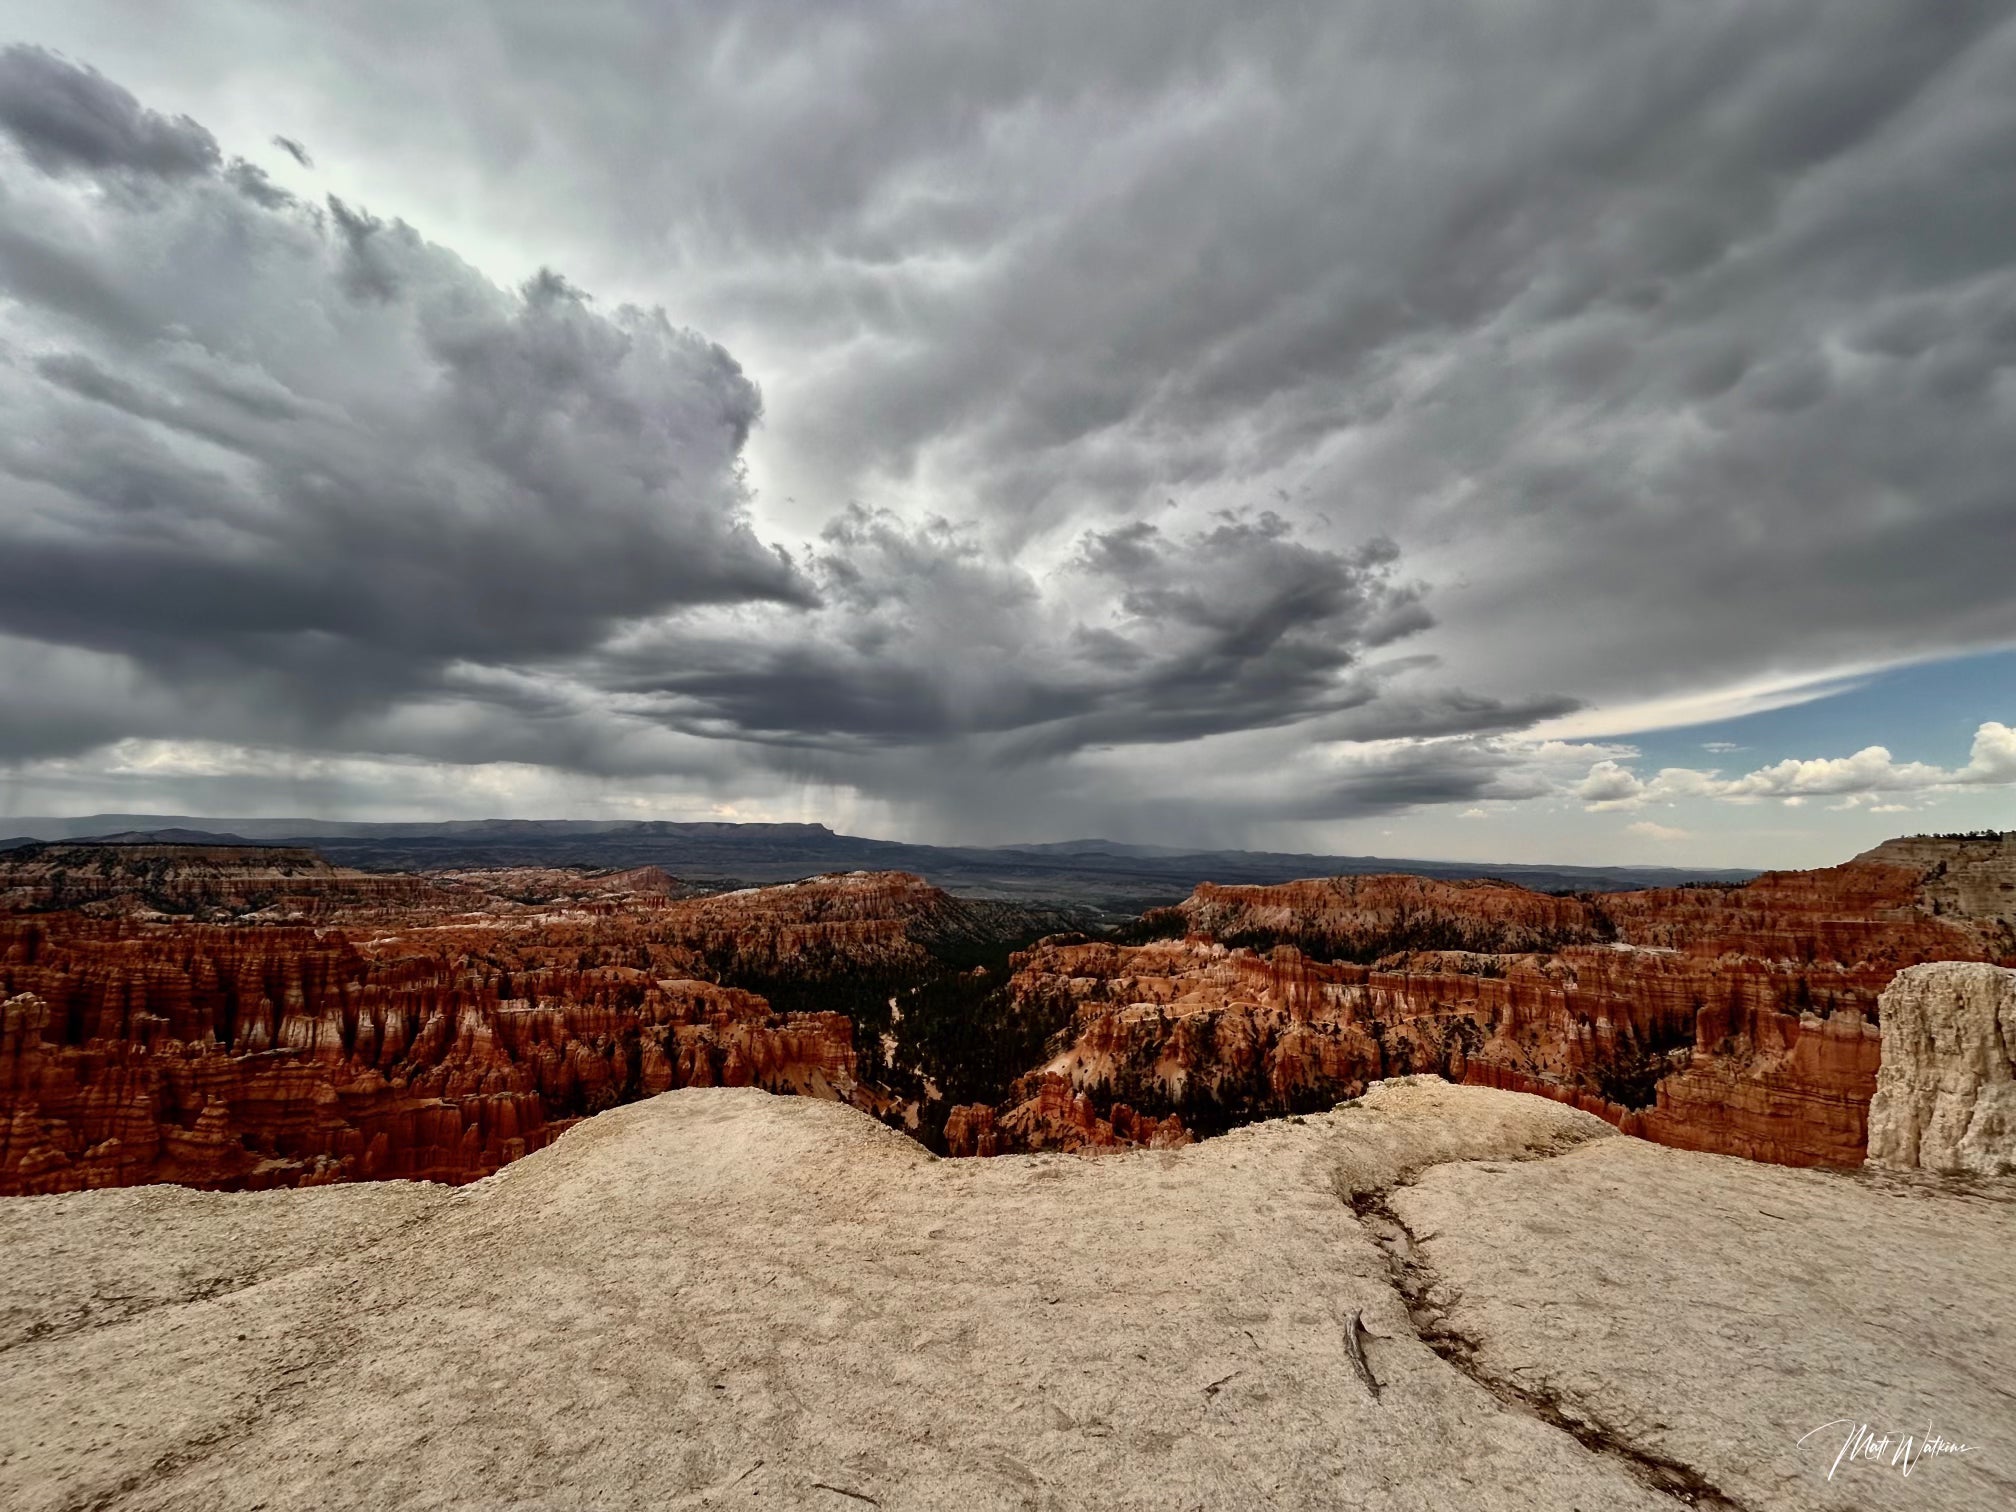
{"x":1116,"y":878}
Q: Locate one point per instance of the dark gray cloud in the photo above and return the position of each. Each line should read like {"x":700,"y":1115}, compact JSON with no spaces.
{"x":320,"y":484}
{"x":1668,"y":343}
{"x":67,"y":118}
{"x":302,"y":451}
{"x":1562,"y":297}
{"x":1140,"y":638}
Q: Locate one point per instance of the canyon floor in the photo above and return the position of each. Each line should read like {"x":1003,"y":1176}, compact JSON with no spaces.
{"x":1431,"y":1297}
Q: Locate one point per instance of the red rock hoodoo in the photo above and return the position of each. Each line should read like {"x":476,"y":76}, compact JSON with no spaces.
{"x":435,"y":1028}
{"x":1739,"y":1019}
{"x":252,"y":1016}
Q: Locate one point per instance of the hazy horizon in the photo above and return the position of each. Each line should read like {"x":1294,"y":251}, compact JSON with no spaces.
{"x":265,"y":828}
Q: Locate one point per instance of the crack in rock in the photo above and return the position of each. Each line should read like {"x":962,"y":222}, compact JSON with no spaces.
{"x":1428,"y":1301}
{"x":843,"y":1491}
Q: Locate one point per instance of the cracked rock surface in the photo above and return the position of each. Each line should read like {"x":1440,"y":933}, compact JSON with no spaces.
{"x":721,"y":1298}
{"x":1708,"y":1312}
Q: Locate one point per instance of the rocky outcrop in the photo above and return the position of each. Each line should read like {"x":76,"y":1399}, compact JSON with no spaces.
{"x":716,"y":1298}
{"x":445,"y":1030}
{"x":515,"y":889}
{"x":1971,"y":877}
{"x":970,"y":1130}
{"x":1788,"y":1088}
{"x":1055,"y":1116}
{"x":1946,"y":1094}
{"x":368,"y":1072}
{"x":845,"y":925}
{"x":1219,"y":1036}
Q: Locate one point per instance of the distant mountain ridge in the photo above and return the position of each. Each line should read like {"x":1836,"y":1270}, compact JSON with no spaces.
{"x":1109,"y":875}
{"x":106,"y":826}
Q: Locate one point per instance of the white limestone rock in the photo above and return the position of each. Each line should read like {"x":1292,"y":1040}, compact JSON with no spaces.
{"x":1946,"y":1091}
{"x":720,"y":1298}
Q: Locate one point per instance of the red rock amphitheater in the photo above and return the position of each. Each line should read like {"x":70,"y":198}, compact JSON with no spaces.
{"x":250,"y":1017}
{"x":445,"y":1027}
{"x":1740,"y":1020}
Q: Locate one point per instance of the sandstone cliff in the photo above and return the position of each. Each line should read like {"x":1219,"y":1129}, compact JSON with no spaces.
{"x":1364,"y":918}
{"x":256,"y":1058}
{"x":442,"y":1027}
{"x":1946,"y":1094}
{"x":1741,"y":1020}
{"x":1960,"y":876}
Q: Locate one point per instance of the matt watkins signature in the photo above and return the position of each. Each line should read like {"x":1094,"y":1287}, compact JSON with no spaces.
{"x":1890,"y":1447}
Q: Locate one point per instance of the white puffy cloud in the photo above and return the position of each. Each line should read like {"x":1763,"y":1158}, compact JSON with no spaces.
{"x":1611,"y":784}
{"x":1993,"y":759}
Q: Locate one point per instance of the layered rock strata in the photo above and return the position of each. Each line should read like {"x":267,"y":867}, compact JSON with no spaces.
{"x":433,"y":1027}
{"x":308,"y":1062}
{"x":443,"y":1026}
{"x":1741,"y":1020}
{"x":209,"y":880}
{"x":1946,"y":1093}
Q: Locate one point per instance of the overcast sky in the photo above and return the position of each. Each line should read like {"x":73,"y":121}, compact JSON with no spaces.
{"x":1576,"y":430}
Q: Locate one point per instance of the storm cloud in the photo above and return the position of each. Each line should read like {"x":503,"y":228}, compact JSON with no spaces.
{"x":1284,"y":410}
{"x":1140,"y":638}
{"x":257,"y":441}
{"x":1634,"y":307}
{"x":321,"y":482}
{"x":65,"y":118}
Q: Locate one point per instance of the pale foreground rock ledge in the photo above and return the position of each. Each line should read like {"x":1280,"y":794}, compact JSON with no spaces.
{"x":1434,"y":1297}
{"x":1946,"y":1090}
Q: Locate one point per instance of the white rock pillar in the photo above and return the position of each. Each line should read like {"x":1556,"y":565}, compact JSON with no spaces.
{"x":1946,"y":1090}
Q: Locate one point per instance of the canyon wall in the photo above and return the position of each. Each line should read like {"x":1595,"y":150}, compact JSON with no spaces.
{"x":1365,"y":917}
{"x":253,"y":1057}
{"x":433,"y":1028}
{"x":1742,"y":1020}
{"x":197,"y":880}
{"x":250,"y":1016}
